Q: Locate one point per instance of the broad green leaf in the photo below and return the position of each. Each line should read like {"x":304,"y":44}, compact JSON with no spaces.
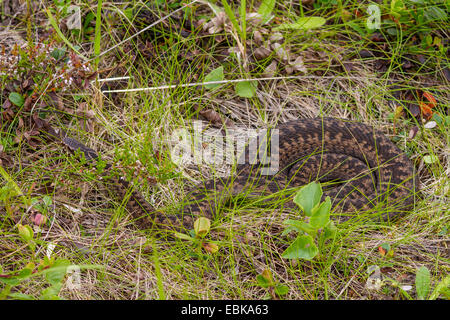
{"x":25,"y":232}
{"x":267,"y":275}
{"x":262,"y":282}
{"x":16,"y":98}
{"x":58,"y":53}
{"x":321,"y":215}
{"x":302,"y":248}
{"x":24,"y":273}
{"x":246,"y":89}
{"x":183,"y":236}
{"x":422,"y":282}
{"x":47,"y":200}
{"x":429,"y":159}
{"x":21,"y":296}
{"x":304,"y":23}
{"x":386,"y":246}
{"x":397,"y":7}
{"x":447,"y":121}
{"x":55,"y":274}
{"x":287,"y":230}
{"x":210,"y":247}
{"x":281,"y":289}
{"x":214,"y":75}
{"x":308,"y":197}
{"x":329,"y":231}
{"x":265,"y":9}
{"x":51,"y":293}
{"x":10,"y":281}
{"x":300,"y":226}
{"x":202,"y":226}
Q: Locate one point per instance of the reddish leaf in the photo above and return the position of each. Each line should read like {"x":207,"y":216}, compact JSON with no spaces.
{"x":210,"y":247}
{"x":382,"y":251}
{"x":432,"y":101}
{"x":38,"y":219}
{"x":426,"y":110}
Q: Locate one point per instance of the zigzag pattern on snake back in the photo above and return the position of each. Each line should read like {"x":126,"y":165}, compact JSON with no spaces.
{"x":366,"y":169}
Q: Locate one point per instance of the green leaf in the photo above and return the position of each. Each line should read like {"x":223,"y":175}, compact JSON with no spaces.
{"x":10,"y":281}
{"x":232,"y":18}
{"x":308,"y":197}
{"x":265,"y":10}
{"x":397,"y":7}
{"x":91,"y":16}
{"x":16,"y":98}
{"x":300,"y":226}
{"x":288,"y":230}
{"x":25,"y":232}
{"x":20,"y":296}
{"x":58,"y":53}
{"x":202,"y":226}
{"x":47,"y":200}
{"x":210,"y":247}
{"x":447,"y":121}
{"x":422,"y":282}
{"x":246,"y":89}
{"x":429,"y":159}
{"x":281,"y":290}
{"x":55,"y":274}
{"x":183,"y":236}
{"x":98,"y":32}
{"x":302,"y":248}
{"x":24,"y":273}
{"x":51,"y":293}
{"x":329,"y":231}
{"x":214,"y":75}
{"x":304,"y":23}
{"x":55,"y":26}
{"x":263,"y":282}
{"x":321,"y":215}
{"x":386,"y":246}
{"x":242,"y":15}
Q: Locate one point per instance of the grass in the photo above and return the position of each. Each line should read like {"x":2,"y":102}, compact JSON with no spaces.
{"x":90,"y":227}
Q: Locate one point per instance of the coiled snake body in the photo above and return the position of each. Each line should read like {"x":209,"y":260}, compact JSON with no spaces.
{"x":364,"y":168}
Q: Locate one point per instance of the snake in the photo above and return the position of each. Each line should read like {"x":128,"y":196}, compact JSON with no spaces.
{"x":360,"y":167}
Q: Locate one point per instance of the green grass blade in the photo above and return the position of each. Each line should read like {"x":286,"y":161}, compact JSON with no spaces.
{"x":232,"y":18}
{"x":98,"y":28}
{"x":61,"y":35}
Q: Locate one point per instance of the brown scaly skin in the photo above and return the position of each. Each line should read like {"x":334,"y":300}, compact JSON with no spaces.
{"x":371,"y":169}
